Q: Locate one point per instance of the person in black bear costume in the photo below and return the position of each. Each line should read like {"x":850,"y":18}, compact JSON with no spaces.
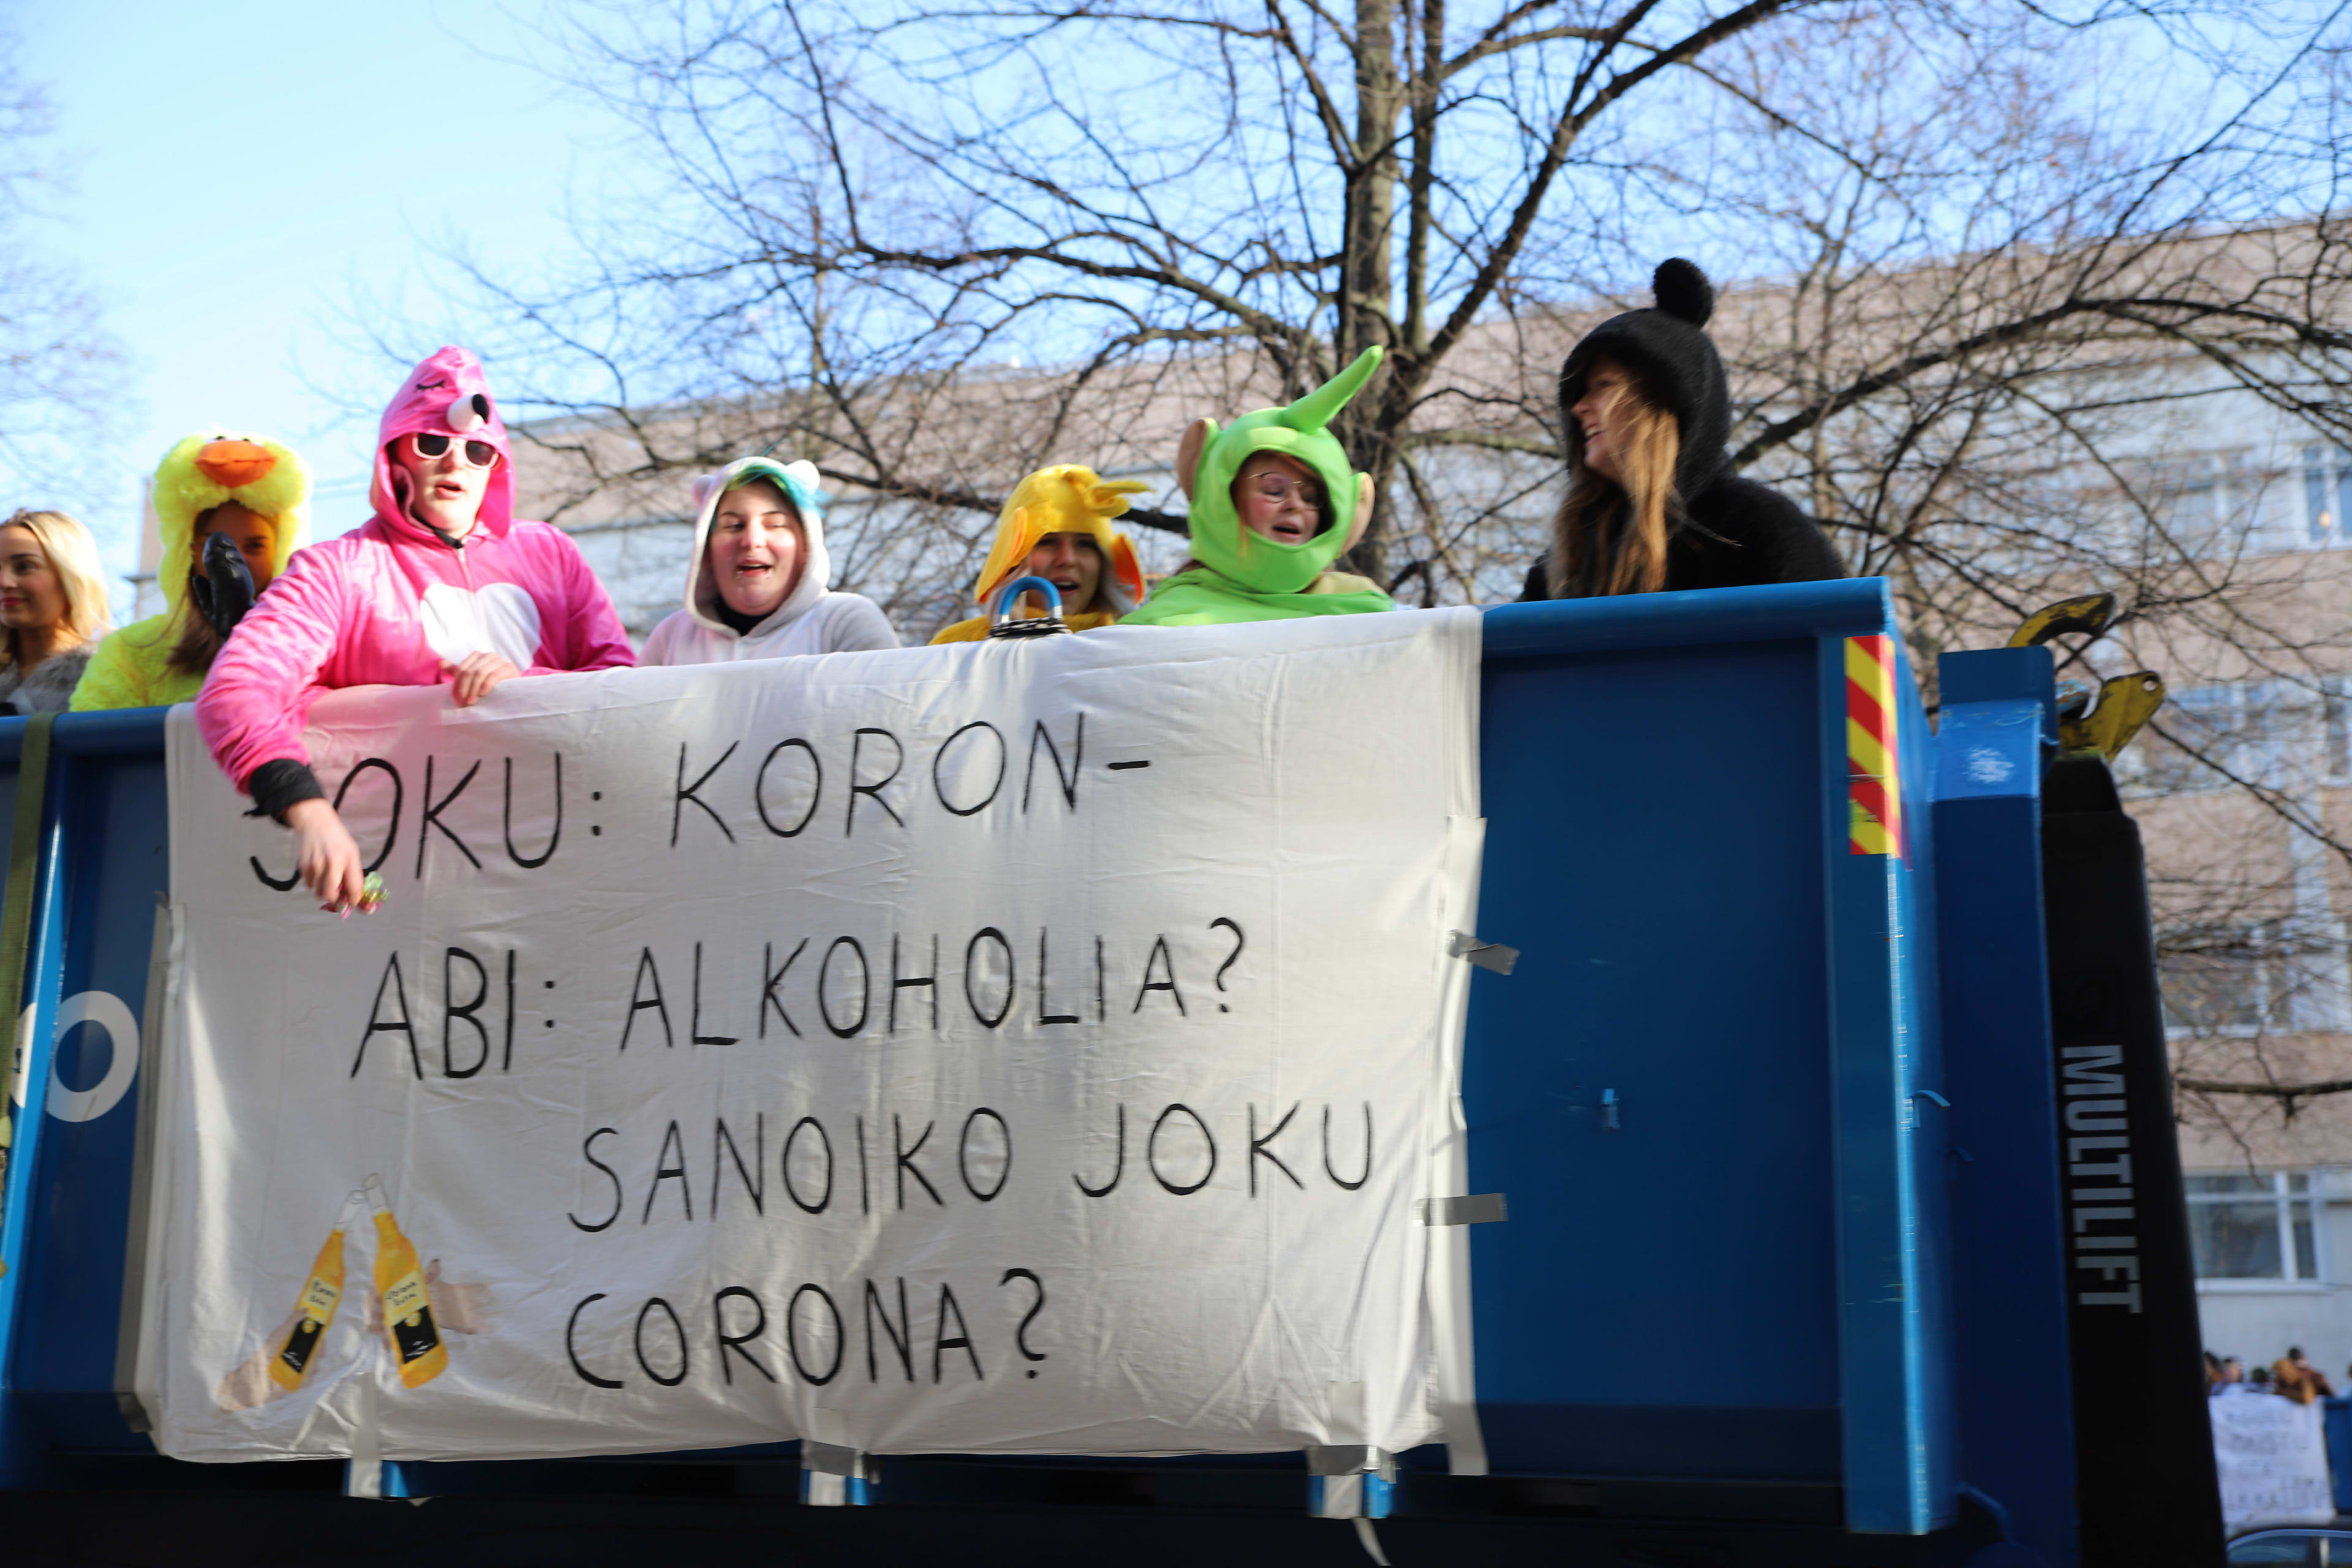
{"x":1653,"y":503}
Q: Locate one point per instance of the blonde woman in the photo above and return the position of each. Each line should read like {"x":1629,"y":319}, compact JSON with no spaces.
{"x":52,"y":607}
{"x":1653,"y":503}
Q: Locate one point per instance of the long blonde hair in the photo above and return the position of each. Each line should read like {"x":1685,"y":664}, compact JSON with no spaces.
{"x":1608,"y":537}
{"x":73,"y":555}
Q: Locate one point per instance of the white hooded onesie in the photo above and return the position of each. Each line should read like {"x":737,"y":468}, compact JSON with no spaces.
{"x":812,"y":619}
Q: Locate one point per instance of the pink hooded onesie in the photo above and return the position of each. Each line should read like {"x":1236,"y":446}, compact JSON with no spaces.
{"x":393,"y":601}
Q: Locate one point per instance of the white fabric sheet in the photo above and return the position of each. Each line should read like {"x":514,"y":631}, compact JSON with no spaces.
{"x":2272,"y":1458}
{"x":957,"y":915}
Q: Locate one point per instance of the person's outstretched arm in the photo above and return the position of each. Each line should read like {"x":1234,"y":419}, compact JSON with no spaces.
{"x":251,"y":712}
{"x":265,"y":678}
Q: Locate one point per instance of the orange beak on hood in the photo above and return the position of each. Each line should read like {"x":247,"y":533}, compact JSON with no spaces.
{"x":234,"y":464}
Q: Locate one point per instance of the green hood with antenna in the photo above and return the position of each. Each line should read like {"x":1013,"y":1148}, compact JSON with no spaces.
{"x":1248,"y":577}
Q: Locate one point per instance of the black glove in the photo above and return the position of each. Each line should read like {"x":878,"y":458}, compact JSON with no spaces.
{"x":225,"y":592}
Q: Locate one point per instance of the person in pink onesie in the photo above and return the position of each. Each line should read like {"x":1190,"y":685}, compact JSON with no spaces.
{"x":443,"y":584}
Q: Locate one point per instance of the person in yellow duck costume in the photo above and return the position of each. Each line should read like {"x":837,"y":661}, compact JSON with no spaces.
{"x":255,"y":492}
{"x":1056,"y":525}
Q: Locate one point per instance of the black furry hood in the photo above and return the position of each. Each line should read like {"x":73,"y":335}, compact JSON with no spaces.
{"x":1667,"y":349}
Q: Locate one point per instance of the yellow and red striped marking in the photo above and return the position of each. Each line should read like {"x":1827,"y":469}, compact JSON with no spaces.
{"x":1872,"y":787}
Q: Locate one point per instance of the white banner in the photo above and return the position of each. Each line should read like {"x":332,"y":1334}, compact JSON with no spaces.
{"x":1037,"y":1046}
{"x":2272,"y":1456}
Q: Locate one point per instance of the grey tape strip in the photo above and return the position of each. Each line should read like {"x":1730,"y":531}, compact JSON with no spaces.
{"x":1337,"y":1458}
{"x":363,"y":1476}
{"x":1491,"y":956}
{"x":1479,"y":1208}
{"x":830,"y":1458}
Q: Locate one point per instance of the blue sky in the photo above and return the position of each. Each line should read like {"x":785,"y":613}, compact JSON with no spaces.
{"x":246,"y":172}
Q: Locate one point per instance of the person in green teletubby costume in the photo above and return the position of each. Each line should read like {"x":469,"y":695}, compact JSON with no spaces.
{"x":1274,"y":503}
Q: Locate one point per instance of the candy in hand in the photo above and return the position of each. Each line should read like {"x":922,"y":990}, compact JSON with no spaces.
{"x":371,"y":892}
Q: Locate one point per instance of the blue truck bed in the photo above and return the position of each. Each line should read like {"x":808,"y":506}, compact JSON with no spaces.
{"x":1783,"y":1278}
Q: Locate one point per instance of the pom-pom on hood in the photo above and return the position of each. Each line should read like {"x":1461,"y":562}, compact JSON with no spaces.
{"x":447,"y":395}
{"x":1667,"y":351}
{"x":212,"y":469}
{"x":799,"y":483}
{"x":1220,"y":541}
{"x":1068,"y":498}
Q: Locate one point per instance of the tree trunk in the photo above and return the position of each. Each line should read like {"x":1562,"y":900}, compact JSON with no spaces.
{"x":1365,"y":308}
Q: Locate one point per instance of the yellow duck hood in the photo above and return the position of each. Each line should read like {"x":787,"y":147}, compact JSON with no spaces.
{"x":210,"y":470}
{"x":1068,"y":498}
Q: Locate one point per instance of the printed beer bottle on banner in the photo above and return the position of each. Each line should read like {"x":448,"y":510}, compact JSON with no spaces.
{"x":321,"y":1296}
{"x":416,"y":1344}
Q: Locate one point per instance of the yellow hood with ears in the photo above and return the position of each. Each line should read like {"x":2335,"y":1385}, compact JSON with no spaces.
{"x":132,"y":668}
{"x":212,"y":468}
{"x":1068,"y":498}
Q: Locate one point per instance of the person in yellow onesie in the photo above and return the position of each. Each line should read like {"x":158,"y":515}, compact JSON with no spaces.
{"x":1056,"y":525}
{"x":257,"y":493}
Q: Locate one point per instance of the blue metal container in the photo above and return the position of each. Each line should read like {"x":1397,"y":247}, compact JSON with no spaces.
{"x":1772,"y":1116}
{"x":102,"y":874}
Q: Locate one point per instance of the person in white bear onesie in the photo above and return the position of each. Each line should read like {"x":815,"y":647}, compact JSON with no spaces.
{"x":759,"y":582}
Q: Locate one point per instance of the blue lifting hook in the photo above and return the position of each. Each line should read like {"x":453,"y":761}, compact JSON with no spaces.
{"x":1043,"y":627}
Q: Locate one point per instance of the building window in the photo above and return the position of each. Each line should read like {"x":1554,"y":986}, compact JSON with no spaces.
{"x":2218,"y":982}
{"x":2327,"y":494}
{"x":2251,"y":978}
{"x":2210,"y":722}
{"x":2245,"y":1227}
{"x":2273,"y":732}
